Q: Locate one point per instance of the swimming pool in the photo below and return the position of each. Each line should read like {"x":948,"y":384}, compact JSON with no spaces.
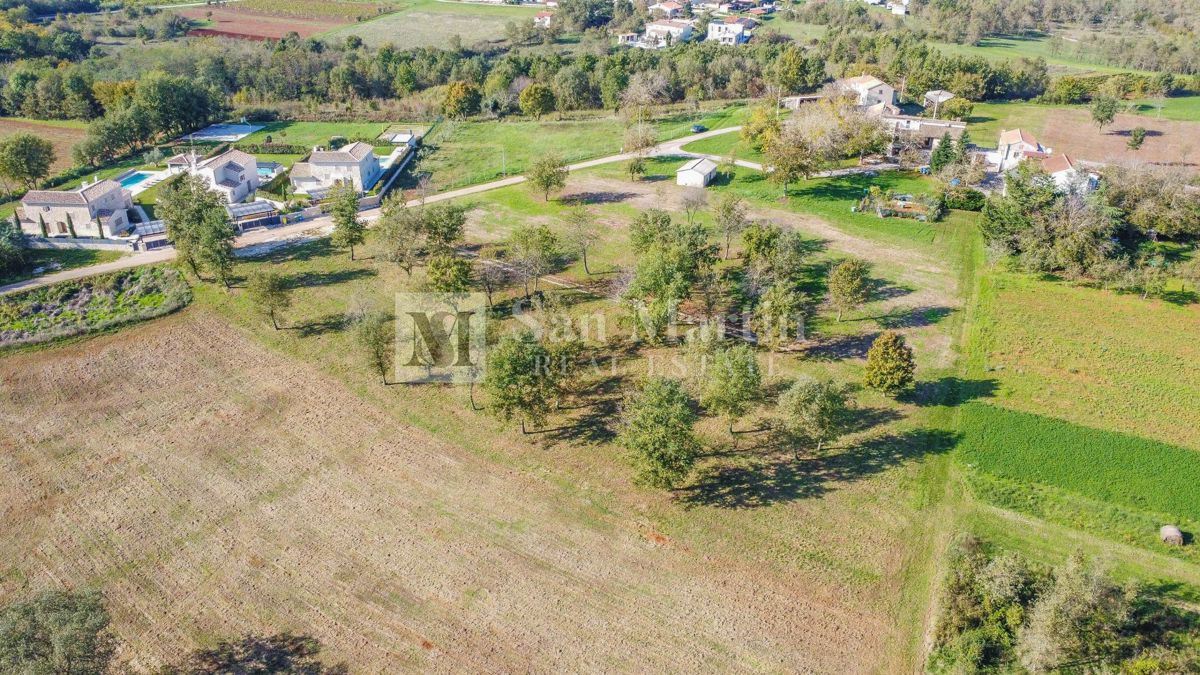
{"x":134,"y":179}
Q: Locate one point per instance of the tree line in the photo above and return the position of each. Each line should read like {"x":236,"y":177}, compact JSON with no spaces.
{"x":1002,"y":612}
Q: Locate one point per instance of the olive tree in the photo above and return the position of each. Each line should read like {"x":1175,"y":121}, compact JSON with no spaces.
{"x":733,"y":383}
{"x":657,"y":429}
{"x":815,"y":411}
{"x":269,"y":292}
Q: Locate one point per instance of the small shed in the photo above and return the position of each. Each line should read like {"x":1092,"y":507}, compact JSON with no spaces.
{"x":1171,"y":535}
{"x":696,"y":173}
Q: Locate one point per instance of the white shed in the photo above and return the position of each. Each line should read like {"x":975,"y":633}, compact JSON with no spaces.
{"x":696,"y":173}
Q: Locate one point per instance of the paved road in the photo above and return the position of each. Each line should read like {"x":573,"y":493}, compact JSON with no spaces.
{"x":296,"y":230}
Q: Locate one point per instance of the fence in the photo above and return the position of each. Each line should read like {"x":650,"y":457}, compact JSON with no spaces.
{"x":80,"y":243}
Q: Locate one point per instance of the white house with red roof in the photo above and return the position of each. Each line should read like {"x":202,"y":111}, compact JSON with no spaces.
{"x":543,"y":19}
{"x":668,"y":10}
{"x":1068,"y":174}
{"x":733,"y":30}
{"x":1016,"y":145}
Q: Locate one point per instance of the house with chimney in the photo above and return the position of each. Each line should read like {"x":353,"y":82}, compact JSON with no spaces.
{"x":232,"y":173}
{"x":97,"y":209}
{"x":354,"y":164}
{"x":1016,"y":145}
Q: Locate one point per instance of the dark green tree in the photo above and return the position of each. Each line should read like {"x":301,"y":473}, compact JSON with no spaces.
{"x":348,"y":229}
{"x":657,"y":429}
{"x":269,"y":292}
{"x":56,"y":632}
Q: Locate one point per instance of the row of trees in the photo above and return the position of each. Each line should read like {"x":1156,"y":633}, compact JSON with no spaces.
{"x":1003,"y":613}
{"x":1101,"y":236}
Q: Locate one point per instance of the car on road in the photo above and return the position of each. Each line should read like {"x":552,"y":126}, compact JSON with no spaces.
{"x":698,"y":128}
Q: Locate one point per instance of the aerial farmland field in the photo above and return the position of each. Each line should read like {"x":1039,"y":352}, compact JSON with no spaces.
{"x":430,"y":23}
{"x":64,"y":134}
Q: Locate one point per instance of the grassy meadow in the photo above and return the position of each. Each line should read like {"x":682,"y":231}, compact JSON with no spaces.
{"x":431,"y":23}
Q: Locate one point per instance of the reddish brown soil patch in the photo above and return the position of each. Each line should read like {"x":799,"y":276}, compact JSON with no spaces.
{"x":250,"y":25}
{"x":1167,"y":141}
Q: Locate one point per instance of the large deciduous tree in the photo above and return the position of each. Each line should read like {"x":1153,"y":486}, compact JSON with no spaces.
{"x":195,"y":218}
{"x":547,"y":174}
{"x":657,"y":429}
{"x":348,"y":229}
{"x":849,"y":285}
{"x":26,"y":159}
{"x":733,"y":383}
{"x":269,"y":292}
{"x":519,"y":381}
{"x":815,"y":411}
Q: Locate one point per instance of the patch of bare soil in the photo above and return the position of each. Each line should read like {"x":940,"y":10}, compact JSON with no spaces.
{"x":212,"y":487}
{"x":1167,"y":141}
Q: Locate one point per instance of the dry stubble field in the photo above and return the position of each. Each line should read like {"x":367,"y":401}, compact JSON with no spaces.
{"x":213,"y":486}
{"x":63,"y":136}
{"x":1167,"y":141}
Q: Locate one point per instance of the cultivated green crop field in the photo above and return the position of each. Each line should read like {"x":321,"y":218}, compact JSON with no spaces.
{"x":1091,"y":357}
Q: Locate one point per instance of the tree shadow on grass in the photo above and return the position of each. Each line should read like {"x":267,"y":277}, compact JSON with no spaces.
{"x":306,"y":279}
{"x":282,"y":653}
{"x":601,"y":197}
{"x":326,"y":324}
{"x":949,"y":391}
{"x":914,"y":317}
{"x":840,"y":347}
{"x":318,"y":248}
{"x":760,"y":481}
{"x":1181,"y":297}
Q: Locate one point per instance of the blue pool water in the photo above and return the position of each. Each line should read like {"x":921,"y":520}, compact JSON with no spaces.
{"x":133,"y":179}
{"x":264,"y":173}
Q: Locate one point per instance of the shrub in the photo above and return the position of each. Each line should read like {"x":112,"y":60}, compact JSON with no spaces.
{"x":90,"y":305}
{"x":965,"y":199}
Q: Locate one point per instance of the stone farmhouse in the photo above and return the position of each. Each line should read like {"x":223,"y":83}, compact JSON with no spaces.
{"x":232,"y":173}
{"x":99,"y":209}
{"x":354,"y":164}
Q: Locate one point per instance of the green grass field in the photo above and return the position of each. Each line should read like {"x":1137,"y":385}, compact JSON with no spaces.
{"x":470,"y":152}
{"x":726,"y":145}
{"x":1007,"y":47}
{"x":1102,"y":482}
{"x":1091,"y":357}
{"x":310,"y":134}
{"x":430,"y":23}
{"x":1179,"y":108}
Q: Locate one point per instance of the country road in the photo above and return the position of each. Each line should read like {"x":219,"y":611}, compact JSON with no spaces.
{"x":258,"y":237}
